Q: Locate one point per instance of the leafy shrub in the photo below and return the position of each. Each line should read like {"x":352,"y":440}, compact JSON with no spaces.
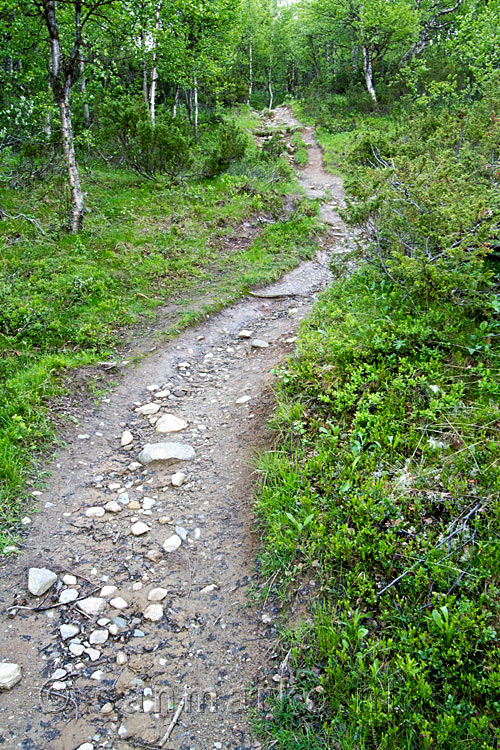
{"x":230,"y":145}
{"x":273,"y":147}
{"x":165,"y":148}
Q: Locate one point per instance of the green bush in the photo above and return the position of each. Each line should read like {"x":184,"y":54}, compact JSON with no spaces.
{"x":230,"y":145}
{"x":126,"y":131}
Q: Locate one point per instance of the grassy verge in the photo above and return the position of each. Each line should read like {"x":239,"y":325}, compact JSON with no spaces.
{"x":67,"y":300}
{"x":385,"y":491}
{"x":384,"y":487}
{"x":300,"y":154}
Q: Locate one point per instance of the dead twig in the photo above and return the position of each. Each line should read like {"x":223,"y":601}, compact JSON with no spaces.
{"x":175,"y":719}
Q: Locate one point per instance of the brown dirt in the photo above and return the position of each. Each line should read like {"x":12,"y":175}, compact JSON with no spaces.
{"x":213,"y":645}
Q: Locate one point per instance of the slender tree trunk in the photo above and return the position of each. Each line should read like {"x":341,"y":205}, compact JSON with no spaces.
{"x":188,"y":96}
{"x":196,"y":109}
{"x":61,"y":80}
{"x":270,"y":82}
{"x":368,"y":71}
{"x":144,"y":70}
{"x":154,"y":68}
{"x":81,"y":65}
{"x":250,"y":73}
{"x":176,"y":103}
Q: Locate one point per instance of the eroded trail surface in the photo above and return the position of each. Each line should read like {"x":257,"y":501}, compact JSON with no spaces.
{"x":161,"y":622}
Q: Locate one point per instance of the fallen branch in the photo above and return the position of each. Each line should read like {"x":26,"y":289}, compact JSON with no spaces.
{"x":5,"y":215}
{"x":180,"y":709}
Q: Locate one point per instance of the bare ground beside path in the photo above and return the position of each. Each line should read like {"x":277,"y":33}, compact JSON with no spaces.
{"x":120,"y":689}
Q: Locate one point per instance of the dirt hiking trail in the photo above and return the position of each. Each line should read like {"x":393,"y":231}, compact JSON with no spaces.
{"x":149,"y":627}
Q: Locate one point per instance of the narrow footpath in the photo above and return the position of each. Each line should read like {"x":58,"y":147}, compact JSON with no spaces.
{"x":148,"y":637}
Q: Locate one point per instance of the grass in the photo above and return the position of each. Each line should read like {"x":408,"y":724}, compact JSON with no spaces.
{"x":383,"y":487}
{"x":300,"y":154}
{"x":68,"y":300}
{"x":385,"y":492}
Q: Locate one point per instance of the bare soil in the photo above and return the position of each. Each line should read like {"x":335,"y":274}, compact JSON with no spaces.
{"x":215,"y":647}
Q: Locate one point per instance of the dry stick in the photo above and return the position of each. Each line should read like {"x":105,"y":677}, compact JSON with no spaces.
{"x":180,"y":709}
{"x":54,"y":606}
{"x":5,"y":215}
{"x":275,"y":296}
{"x":441,"y":543}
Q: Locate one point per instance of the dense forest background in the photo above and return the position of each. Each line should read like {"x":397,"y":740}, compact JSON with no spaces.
{"x":128,"y":165}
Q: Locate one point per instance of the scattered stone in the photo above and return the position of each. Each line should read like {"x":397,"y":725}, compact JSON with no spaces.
{"x":92,"y":606}
{"x":123,"y":731}
{"x":157,"y":595}
{"x":114,"y":486}
{"x":292,"y":311}
{"x":97,"y":675}
{"x":123,"y":498}
{"x":93,"y":653}
{"x":68,"y":595}
{"x":98,"y":637}
{"x":178,"y":479}
{"x":166,"y":452}
{"x":59,"y":674}
{"x":120,"y":622}
{"x":40,"y":580}
{"x":121,"y":658}
{"x":119,"y":603}
{"x":259,"y":344}
{"x":208,"y":589}
{"x":85,"y":746}
{"x":173,"y":543}
{"x":170,"y":423}
{"x":154,"y":555}
{"x":76,"y":649}
{"x":245,"y":334}
{"x":69,"y":580}
{"x":69,"y":631}
{"x":162,"y":394}
{"x":153,"y":387}
{"x":108,"y":708}
{"x":10,"y":675}
{"x":243,"y":399}
{"x":134,"y":505}
{"x":95,"y":512}
{"x":164,"y":520}
{"x":148,"y":503}
{"x":181,"y":531}
{"x":83,"y":437}
{"x":137,"y":586}
{"x":153,"y":612}
{"x":107,"y":591}
{"x":148,"y":409}
{"x":139,"y":528}
{"x":134,"y":466}
{"x":127,"y":438}
{"x":113,"y":507}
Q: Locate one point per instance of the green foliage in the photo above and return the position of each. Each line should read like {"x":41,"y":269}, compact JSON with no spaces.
{"x":230,"y":145}
{"x":385,"y":491}
{"x":163,"y":148}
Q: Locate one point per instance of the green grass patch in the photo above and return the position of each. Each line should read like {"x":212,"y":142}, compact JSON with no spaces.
{"x":300,"y":154}
{"x":384,"y":490}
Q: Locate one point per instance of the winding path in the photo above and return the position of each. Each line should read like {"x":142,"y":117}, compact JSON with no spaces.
{"x":209,"y":644}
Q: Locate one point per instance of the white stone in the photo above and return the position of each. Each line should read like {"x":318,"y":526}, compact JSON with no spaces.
{"x":68,"y":595}
{"x":148,"y":706}
{"x":69,"y":631}
{"x":40,"y":580}
{"x":97,"y":675}
{"x":243,"y":399}
{"x":95,"y":512}
{"x":93,"y":653}
{"x":148,"y":503}
{"x":93,"y":605}
{"x":85,"y":746}
{"x":119,"y":603}
{"x":172,"y":543}
{"x":59,"y":674}
{"x":139,"y":528}
{"x":208,"y":589}
{"x":245,"y":334}
{"x":107,"y":709}
{"x":58,"y":685}
{"x":127,"y":438}
{"x":259,"y":344}
{"x":181,"y":531}
{"x":107,"y":591}
{"x":166,"y":452}
{"x":76,"y":649}
{"x":178,"y":479}
{"x":10,"y":674}
{"x":153,"y":612}
{"x":69,"y":580}
{"x":170,"y":423}
{"x":148,"y":409}
{"x":162,"y":394}
{"x":113,"y":507}
{"x":121,"y":658}
{"x":98,"y":637}
{"x":157,"y":595}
